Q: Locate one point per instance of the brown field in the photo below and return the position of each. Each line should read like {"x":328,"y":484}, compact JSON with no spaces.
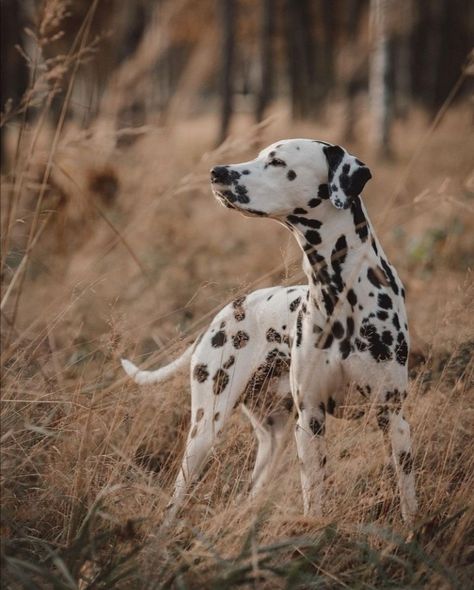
{"x":135,"y":257}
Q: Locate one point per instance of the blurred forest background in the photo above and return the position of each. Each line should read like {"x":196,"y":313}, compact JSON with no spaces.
{"x":112,"y":114}
{"x":162,"y":59}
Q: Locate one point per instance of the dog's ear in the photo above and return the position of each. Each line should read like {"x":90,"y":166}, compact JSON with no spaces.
{"x":346,"y":176}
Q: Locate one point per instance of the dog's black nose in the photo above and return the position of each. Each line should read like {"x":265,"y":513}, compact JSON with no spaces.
{"x":220,"y":175}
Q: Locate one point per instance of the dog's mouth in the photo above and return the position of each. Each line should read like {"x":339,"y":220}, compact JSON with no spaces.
{"x":228,"y":199}
{"x":225,"y":197}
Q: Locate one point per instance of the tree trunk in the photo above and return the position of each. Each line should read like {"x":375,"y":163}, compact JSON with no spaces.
{"x":228,"y":10}
{"x":300,"y":56}
{"x":380,"y":92}
{"x":356,"y":81}
{"x":266,"y":65}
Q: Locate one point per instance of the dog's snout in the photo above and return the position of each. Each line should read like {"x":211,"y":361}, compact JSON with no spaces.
{"x":220,"y":175}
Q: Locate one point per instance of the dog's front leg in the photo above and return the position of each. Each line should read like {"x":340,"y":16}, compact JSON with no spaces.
{"x":311,"y":446}
{"x":313,"y":378}
{"x":403,"y":459}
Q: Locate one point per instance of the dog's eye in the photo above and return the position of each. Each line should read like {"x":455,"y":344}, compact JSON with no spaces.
{"x":276,"y":162}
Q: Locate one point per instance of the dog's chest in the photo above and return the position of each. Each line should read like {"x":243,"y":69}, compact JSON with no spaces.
{"x":367,"y":316}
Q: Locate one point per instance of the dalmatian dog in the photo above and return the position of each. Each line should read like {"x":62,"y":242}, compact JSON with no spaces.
{"x":351,"y":343}
{"x":242,"y":357}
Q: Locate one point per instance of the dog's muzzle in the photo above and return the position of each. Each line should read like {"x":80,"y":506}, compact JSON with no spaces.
{"x":221,"y":175}
{"x":221,"y":179}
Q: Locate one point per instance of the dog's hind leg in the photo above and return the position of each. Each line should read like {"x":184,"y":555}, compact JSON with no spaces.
{"x":212,"y":401}
{"x":269,"y":434}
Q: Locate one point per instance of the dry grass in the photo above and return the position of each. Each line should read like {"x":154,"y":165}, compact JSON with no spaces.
{"x":133,"y":257}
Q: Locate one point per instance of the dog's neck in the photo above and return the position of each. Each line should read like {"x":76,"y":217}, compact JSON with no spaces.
{"x":337,"y":255}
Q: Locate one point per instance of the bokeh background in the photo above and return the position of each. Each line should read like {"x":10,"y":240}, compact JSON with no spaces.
{"x":113,"y":112}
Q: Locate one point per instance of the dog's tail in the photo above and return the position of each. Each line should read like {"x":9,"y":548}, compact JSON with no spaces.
{"x":144,"y":377}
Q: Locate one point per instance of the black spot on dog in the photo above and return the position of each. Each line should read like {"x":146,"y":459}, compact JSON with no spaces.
{"x":334,"y":155}
{"x":345,"y":348}
{"x":221,"y":379}
{"x":374,"y":247}
{"x":383,"y":418}
{"x":275,"y":161}
{"x":223,"y":175}
{"x":219,"y":339}
{"x":294,"y":304}
{"x":291,"y":175}
{"x":273,"y":336}
{"x":373,"y":276}
{"x":394,"y":397}
{"x":350,"y":326}
{"x":396,"y":322}
{"x":240,"y":339}
{"x":325,"y":341}
{"x":314,"y":202}
{"x":296,"y":220}
{"x":337,"y":329}
{"x":316,"y":258}
{"x":358,"y":180}
{"x":382,"y":315}
{"x":390,"y":276}
{"x":239,"y":312}
{"x":328,"y":300}
{"x":323,"y":191}
{"x":338,"y":257}
{"x":317,"y":427}
{"x":360,"y":221}
{"x":313,"y":237}
{"x":406,"y":462}
{"x":384,"y":301}
{"x":331,"y":405}
{"x":246,"y":172}
{"x":242,"y":193}
{"x":351,"y":297}
{"x":403,"y":293}
{"x":378,"y":349}
{"x":229,"y":362}
{"x":401,"y":350}
{"x":300,"y":211}
{"x":199,"y":414}
{"x":288,"y":403}
{"x":299,"y":328}
{"x":360,"y":390}
{"x":387,"y":337}
{"x":200,"y":373}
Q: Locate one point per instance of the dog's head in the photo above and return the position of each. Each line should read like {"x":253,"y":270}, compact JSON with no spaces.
{"x":288,"y":175}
